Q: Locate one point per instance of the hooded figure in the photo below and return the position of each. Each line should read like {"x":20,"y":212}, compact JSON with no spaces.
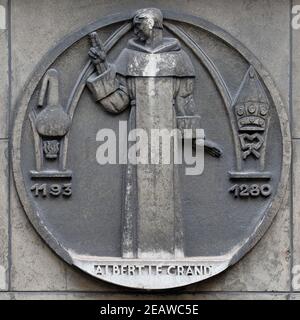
{"x":155,"y":78}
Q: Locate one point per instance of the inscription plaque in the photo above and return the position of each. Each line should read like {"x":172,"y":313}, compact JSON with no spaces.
{"x":110,"y":201}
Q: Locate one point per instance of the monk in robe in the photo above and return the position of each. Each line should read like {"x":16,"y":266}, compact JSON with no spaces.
{"x":154,"y":77}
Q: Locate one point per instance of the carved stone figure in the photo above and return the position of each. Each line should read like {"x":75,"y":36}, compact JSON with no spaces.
{"x":148,"y":225}
{"x":155,"y":77}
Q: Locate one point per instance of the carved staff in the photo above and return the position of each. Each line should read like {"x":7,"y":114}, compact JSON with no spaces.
{"x":97,"y":53}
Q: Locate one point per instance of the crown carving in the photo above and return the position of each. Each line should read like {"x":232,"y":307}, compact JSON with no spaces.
{"x":251,"y":107}
{"x":252,"y":116}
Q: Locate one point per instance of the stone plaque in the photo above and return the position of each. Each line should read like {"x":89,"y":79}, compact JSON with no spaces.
{"x":124,"y":209}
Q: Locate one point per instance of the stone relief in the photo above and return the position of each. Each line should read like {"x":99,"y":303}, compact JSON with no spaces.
{"x":152,"y":72}
{"x":49,"y":126}
{"x":149,"y":225}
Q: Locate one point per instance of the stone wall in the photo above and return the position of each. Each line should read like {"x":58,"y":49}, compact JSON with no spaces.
{"x":28,"y":29}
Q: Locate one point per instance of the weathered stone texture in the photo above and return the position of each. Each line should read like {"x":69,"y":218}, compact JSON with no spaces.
{"x":296,"y":213}
{"x":4,"y":237}
{"x":296,"y":156}
{"x":263,"y":27}
{"x":4,"y":171}
{"x":296,"y":79}
{"x":180,"y":297}
{"x":264,"y":268}
{"x":4,"y":57}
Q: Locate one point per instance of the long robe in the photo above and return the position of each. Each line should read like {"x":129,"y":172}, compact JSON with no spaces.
{"x":158,"y":86}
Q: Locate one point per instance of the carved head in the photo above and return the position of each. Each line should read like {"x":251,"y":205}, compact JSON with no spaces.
{"x":145,"y":20}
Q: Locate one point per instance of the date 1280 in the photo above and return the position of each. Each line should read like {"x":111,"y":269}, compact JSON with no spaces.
{"x":253,"y":190}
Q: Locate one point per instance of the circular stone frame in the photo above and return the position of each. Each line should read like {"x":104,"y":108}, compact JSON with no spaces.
{"x":36,"y":76}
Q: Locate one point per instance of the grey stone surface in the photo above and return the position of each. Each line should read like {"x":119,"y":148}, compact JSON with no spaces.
{"x":118,"y":296}
{"x":5,"y":296}
{"x":296,"y":79}
{"x":77,"y":280}
{"x":34,"y":266}
{"x":3,"y":70}
{"x":266,"y":267}
{"x":4,"y":233}
{"x":296,"y":157}
{"x":296,"y":210}
{"x":254,"y":23}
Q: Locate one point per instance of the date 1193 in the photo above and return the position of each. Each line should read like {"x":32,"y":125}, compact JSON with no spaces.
{"x":55,"y":190}
{"x":253,"y":190}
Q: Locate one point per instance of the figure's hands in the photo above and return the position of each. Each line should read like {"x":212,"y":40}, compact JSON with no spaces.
{"x":210,"y":147}
{"x":97,"y":55}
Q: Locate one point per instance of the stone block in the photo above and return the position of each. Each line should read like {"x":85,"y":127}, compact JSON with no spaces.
{"x":4,"y":224}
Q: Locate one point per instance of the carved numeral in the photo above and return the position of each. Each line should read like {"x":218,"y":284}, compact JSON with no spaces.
{"x":266,"y":190}
{"x":39,"y":190}
{"x":67,"y":190}
{"x":253,"y":190}
{"x":244,"y":190}
{"x":54,"y":190}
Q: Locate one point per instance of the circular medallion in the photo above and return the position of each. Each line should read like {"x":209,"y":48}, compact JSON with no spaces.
{"x":144,"y":224}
